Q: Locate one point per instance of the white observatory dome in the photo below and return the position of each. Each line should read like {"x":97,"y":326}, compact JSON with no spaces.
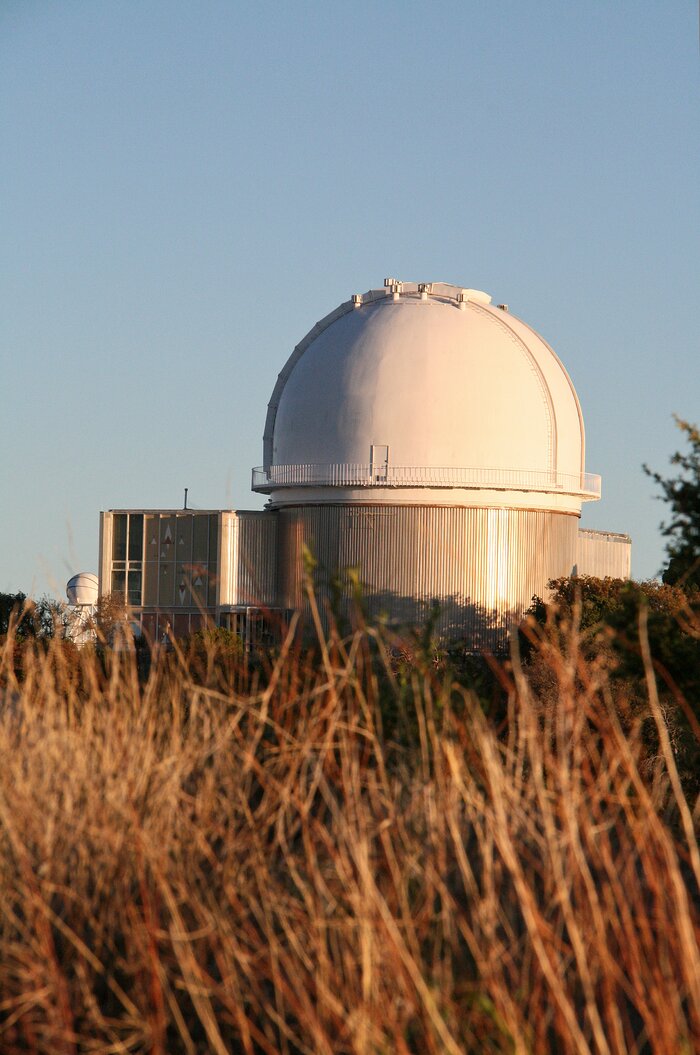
{"x":82,"y":589}
{"x":425,"y":387}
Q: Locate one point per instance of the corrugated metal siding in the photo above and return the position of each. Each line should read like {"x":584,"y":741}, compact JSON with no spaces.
{"x":482,"y":565}
{"x":255,"y":571}
{"x":603,"y":553}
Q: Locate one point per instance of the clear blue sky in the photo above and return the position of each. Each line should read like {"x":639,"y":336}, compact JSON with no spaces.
{"x":185,"y":188}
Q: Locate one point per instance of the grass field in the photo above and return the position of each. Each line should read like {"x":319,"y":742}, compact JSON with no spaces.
{"x":339,"y":852}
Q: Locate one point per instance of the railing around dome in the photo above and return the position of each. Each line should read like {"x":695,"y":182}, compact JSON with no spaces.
{"x":584,"y":485}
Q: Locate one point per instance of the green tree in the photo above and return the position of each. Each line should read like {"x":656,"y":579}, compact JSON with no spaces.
{"x":109,"y":619}
{"x":682,"y":493}
{"x":9,"y":603}
{"x":607,"y":614}
{"x":599,"y":606}
{"x":49,"y":617}
{"x":33,"y":618}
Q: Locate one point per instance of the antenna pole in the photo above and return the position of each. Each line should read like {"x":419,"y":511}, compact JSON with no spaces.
{"x":186,"y":490}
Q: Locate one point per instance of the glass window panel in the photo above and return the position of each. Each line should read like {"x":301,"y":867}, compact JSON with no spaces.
{"x":212,"y":580}
{"x":152,"y":532}
{"x":166,"y":584}
{"x":213,"y":539}
{"x":118,"y":584}
{"x":119,"y":536}
{"x":198,"y":584}
{"x":119,"y":565}
{"x":183,"y":593}
{"x":200,"y":542}
{"x":134,"y":587}
{"x":150,"y":583}
{"x":148,"y":622}
{"x":167,"y":538}
{"x":165,"y":626}
{"x":182,"y":625}
{"x":136,"y":536}
{"x":184,"y":538}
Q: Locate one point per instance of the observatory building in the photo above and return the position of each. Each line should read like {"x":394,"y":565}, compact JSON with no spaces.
{"x":420,"y":441}
{"x":81,"y":593}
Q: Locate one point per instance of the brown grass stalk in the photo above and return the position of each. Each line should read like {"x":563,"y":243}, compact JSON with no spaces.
{"x":326,"y":854}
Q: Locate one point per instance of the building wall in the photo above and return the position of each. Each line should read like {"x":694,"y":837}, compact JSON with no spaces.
{"x":603,"y":553}
{"x":164,"y":564}
{"x":248,"y":559}
{"x":483,"y":566}
{"x":178,"y":569}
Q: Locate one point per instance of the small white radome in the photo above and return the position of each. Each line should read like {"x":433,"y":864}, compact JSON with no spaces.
{"x":82,"y":588}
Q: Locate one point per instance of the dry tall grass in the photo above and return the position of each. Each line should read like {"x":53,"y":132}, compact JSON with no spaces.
{"x":261,"y":869}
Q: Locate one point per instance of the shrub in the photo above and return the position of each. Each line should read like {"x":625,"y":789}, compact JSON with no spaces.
{"x":605,"y":615}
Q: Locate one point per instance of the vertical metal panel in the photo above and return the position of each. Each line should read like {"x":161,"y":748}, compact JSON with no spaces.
{"x":482,"y":566}
{"x":105,"y":557}
{"x":603,"y":553}
{"x":252,"y":560}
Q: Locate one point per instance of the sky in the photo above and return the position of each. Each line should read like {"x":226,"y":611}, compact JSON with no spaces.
{"x":185,"y":189}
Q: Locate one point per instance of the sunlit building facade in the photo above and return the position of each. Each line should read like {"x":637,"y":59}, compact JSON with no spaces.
{"x":419,"y":440}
